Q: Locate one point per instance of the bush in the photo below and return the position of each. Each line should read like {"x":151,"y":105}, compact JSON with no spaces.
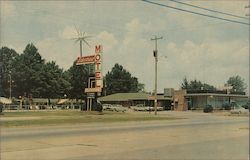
{"x":246,"y":106}
{"x":208,"y":109}
{"x":226,"y":106}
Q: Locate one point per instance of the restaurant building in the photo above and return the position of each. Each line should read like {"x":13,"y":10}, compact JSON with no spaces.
{"x":194,"y":100}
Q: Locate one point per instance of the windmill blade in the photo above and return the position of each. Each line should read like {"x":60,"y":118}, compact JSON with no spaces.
{"x":74,"y":38}
{"x":77,"y":40}
{"x":86,"y":42}
{"x":87,"y":37}
{"x":77,"y":31}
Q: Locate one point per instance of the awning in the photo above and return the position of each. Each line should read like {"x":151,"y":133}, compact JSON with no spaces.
{"x":61,"y":101}
{"x":4,"y":100}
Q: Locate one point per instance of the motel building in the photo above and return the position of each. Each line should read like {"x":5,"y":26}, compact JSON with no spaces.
{"x":178,"y":100}
{"x":133,"y":99}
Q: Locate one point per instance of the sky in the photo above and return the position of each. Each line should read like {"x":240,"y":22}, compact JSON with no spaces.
{"x":193,"y":46}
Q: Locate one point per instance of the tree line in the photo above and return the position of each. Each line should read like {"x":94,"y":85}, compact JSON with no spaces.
{"x":236,"y":82}
{"x":29,"y":75}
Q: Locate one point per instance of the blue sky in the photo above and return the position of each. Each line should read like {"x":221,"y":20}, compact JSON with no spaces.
{"x":197,"y":47}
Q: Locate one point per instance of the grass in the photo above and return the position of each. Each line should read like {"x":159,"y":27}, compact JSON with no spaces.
{"x":60,"y":117}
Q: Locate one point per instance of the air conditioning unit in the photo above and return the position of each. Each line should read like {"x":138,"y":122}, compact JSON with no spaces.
{"x":168,"y":92}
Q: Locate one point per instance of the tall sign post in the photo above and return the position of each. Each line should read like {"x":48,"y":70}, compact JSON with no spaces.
{"x":95,"y":84}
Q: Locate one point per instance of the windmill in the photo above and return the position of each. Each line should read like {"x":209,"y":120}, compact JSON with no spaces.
{"x":81,"y":38}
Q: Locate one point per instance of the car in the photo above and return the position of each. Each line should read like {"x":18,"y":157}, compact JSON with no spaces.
{"x":119,"y":108}
{"x":157,"y":108}
{"x":107,"y":107}
{"x":239,"y":110}
{"x":140,"y":107}
{"x":114,"y":107}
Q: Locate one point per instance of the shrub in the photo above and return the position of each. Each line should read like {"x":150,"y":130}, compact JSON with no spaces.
{"x":208,"y":109}
{"x":226,"y":106}
{"x":246,"y":106}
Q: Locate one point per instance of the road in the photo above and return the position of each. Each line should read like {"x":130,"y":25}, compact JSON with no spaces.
{"x":199,"y":136}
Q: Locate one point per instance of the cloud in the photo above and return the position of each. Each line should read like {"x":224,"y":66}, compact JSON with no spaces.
{"x":7,"y":8}
{"x":56,"y":49}
{"x":197,"y":47}
{"x":211,"y":61}
{"x":69,"y":32}
{"x":64,"y":51}
{"x":107,"y":39}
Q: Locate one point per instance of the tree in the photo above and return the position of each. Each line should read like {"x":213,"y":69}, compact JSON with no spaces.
{"x":237,"y":82}
{"x":52,"y":81}
{"x":7,"y":57}
{"x":195,"y":85}
{"x":78,"y":78}
{"x":141,"y":87}
{"x":185,"y":84}
{"x":28,"y":67}
{"x":119,"y":80}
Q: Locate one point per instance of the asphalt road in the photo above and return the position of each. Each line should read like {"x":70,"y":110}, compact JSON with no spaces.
{"x":200,"y":136}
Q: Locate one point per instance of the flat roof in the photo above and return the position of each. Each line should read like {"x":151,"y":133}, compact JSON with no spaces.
{"x":215,"y":94}
{"x":130,"y":96}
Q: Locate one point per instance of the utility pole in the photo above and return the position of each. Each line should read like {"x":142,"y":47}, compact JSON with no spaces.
{"x":248,"y":7}
{"x":156,"y":60}
{"x":10,"y":81}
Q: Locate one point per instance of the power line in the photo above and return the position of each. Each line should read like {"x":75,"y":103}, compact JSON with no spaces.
{"x":201,"y":14}
{"x":208,"y":9}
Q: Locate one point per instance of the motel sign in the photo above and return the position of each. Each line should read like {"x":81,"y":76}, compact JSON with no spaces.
{"x":97,"y":60}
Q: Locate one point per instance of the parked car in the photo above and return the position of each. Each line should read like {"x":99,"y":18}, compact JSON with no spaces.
{"x":114,"y":107}
{"x":239,"y":110}
{"x":119,"y":108}
{"x":157,"y":108}
{"x":140,"y":107}
{"x":107,"y":107}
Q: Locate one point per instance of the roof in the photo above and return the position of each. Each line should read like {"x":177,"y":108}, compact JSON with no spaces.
{"x":44,"y":100}
{"x":215,"y":94}
{"x":4,"y":100}
{"x":128,"y":97}
{"x":62,"y":101}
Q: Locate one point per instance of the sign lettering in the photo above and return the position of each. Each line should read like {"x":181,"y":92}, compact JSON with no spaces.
{"x":98,"y":49}
{"x":85,"y":60}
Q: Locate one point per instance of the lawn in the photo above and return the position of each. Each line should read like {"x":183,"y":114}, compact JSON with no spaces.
{"x":35,"y":118}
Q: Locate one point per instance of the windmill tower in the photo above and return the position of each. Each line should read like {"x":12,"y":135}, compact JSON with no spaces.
{"x":81,"y":38}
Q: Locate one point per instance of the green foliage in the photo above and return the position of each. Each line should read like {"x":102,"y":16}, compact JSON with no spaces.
{"x":119,"y":80}
{"x":7,"y":56}
{"x":185,"y":84}
{"x":30,"y":74}
{"x":208,"y":109}
{"x":53,"y":83}
{"x":78,"y":78}
{"x":238,"y":83}
{"x":28,"y":68}
{"x":141,"y":87}
{"x":33,"y":77}
{"x":195,"y":85}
